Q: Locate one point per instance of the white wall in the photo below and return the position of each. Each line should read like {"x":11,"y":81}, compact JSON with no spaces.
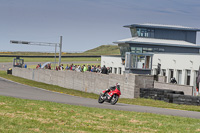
{"x":177,"y":62}
{"x":114,"y":62}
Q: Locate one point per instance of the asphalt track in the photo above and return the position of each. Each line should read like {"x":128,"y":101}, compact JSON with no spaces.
{"x":12,"y":89}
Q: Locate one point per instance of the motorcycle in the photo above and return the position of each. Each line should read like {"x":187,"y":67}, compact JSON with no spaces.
{"x":111,"y":95}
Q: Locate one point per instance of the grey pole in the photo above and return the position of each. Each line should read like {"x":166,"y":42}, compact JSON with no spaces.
{"x":60,"y":50}
{"x":55,"y":57}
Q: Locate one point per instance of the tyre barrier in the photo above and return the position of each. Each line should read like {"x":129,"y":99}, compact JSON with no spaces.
{"x":169,"y":96}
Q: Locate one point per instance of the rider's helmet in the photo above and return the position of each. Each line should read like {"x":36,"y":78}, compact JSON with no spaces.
{"x":118,"y":86}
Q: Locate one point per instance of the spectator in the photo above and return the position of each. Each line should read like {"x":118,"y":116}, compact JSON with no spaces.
{"x":104,"y":70}
{"x":56,"y":68}
{"x":98,"y":70}
{"x":108,"y":70}
{"x":73,"y":68}
{"x":89,"y":68}
{"x":67,"y":67}
{"x":84,"y":68}
{"x":49,"y":66}
{"x":61,"y":67}
{"x":94,"y":68}
{"x":38,"y":66}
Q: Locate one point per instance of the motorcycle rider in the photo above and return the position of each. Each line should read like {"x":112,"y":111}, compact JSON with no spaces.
{"x":108,"y":90}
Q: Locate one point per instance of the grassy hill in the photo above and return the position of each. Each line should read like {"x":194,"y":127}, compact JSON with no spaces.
{"x":101,"y":50}
{"x":105,"y":50}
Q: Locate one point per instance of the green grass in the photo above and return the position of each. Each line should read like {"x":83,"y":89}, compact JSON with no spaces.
{"x":137,"y":101}
{"x":10,"y":59}
{"x":19,"y":115}
{"x":101,"y":50}
{"x":105,"y":50}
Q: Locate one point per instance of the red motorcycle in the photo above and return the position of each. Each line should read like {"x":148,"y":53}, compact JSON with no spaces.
{"x":110,"y":95}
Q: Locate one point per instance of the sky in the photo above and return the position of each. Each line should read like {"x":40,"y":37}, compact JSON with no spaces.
{"x":86,"y":24}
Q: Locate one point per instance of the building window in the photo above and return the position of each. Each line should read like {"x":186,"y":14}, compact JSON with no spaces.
{"x":136,"y":49}
{"x":146,"y":50}
{"x":188,"y":73}
{"x":171,"y":75}
{"x":134,"y":32}
{"x":144,"y":32}
{"x":179,"y":78}
{"x":115,"y":70}
{"x":120,"y":70}
{"x":123,"y":50}
{"x":163,"y":72}
{"x":139,"y":61}
{"x":110,"y":69}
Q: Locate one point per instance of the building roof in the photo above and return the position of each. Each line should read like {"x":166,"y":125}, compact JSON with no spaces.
{"x":160,"y":26}
{"x":153,"y":41}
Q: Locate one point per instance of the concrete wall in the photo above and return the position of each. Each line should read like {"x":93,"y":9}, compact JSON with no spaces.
{"x":188,"y":90}
{"x":88,"y":81}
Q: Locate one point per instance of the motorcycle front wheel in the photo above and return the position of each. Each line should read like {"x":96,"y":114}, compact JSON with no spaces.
{"x":100,"y":100}
{"x":114,"y":99}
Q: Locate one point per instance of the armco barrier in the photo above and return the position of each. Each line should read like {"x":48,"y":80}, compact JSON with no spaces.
{"x":88,"y":81}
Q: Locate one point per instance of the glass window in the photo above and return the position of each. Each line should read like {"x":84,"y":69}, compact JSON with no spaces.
{"x":133,"y":61}
{"x":123,"y":50}
{"x":127,"y":63}
{"x":134,"y":32}
{"x":136,"y":49}
{"x":140,"y":61}
{"x":148,"y":62}
{"x":161,"y":50}
{"x":145,"y":32}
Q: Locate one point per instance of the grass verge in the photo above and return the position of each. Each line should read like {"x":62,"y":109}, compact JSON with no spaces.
{"x":137,"y":101}
{"x":19,"y":115}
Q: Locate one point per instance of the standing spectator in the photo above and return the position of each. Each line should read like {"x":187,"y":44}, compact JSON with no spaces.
{"x":89,"y":68}
{"x":98,"y":70}
{"x":79,"y":67}
{"x":49,"y":66}
{"x":108,"y":68}
{"x":61,"y":67}
{"x":56,"y":68}
{"x":73,"y":67}
{"x":67,"y":67}
{"x":84,"y":68}
{"x":38,"y":66}
{"x":104,"y":70}
{"x":94,"y":68}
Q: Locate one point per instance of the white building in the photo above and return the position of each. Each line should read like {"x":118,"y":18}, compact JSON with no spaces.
{"x":166,"y":50}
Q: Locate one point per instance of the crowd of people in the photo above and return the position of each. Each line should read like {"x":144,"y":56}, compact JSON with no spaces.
{"x":79,"y":68}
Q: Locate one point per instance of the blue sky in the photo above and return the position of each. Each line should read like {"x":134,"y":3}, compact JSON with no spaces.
{"x":86,"y":24}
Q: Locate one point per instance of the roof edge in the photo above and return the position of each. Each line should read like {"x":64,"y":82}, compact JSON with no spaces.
{"x":162,"y":27}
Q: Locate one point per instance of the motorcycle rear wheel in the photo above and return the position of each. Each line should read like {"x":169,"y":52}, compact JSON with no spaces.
{"x":100,"y":100}
{"x":114,"y":99}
